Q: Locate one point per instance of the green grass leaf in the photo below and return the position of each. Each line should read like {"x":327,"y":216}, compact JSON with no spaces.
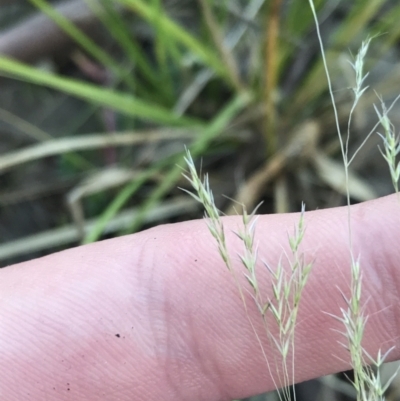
{"x":118,"y":101}
{"x":162,"y":22}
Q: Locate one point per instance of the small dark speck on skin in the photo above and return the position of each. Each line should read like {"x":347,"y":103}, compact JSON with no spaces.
{"x":118,"y":335}
{"x":195,"y":260}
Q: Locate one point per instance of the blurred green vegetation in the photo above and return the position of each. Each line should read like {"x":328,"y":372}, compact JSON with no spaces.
{"x":222,"y":67}
{"x":244,"y":49}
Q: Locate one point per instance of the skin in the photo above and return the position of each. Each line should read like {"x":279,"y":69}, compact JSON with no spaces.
{"x":157,"y":316}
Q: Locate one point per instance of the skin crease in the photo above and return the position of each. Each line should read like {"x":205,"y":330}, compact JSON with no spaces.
{"x":157,"y":316}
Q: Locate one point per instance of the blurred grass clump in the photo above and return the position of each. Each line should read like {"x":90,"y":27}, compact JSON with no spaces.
{"x":214,"y":75}
{"x":240,"y":83}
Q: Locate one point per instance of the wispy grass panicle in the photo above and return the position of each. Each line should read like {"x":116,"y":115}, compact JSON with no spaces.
{"x":250,"y":254}
{"x":391,"y":145}
{"x":287,"y":289}
{"x":354,"y":322}
{"x":358,"y":67}
{"x":358,"y":90}
{"x":204,"y":195}
{"x":367,"y":380}
{"x":287,"y":282}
